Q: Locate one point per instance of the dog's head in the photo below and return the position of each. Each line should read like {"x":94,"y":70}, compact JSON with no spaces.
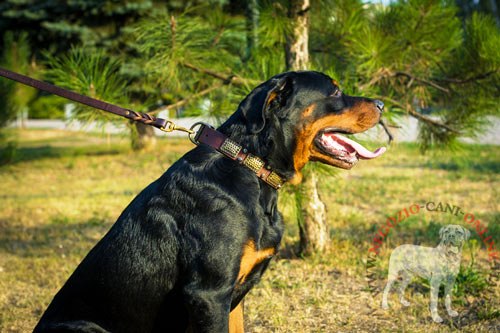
{"x":297,"y":117}
{"x":453,"y":237}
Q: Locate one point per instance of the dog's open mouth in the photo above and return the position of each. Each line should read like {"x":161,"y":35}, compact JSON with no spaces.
{"x":344,"y":149}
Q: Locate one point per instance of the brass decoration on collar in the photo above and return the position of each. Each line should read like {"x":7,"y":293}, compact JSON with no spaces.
{"x":231,"y":148}
{"x":275,"y":180}
{"x":253,"y":163}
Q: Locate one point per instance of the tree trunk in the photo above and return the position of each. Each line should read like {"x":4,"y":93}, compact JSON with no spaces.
{"x":143,"y":137}
{"x":314,"y":233}
{"x":494,"y":11}
{"x":297,"y":43}
{"x":252,"y":23}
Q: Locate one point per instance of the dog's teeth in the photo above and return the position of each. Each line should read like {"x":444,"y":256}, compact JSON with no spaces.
{"x":328,"y":140}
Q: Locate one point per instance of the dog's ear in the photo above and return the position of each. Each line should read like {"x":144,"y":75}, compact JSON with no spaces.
{"x":272,"y":94}
{"x":467,"y":233}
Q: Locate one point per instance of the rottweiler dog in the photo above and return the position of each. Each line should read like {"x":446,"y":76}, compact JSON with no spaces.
{"x":192,"y":244}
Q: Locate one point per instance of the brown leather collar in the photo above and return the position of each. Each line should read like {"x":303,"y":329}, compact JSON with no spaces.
{"x":231,"y":149}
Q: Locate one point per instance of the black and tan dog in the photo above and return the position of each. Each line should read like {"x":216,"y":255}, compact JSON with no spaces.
{"x":190,"y":246}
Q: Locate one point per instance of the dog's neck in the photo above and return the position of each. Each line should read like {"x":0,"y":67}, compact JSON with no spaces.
{"x":269,"y":144}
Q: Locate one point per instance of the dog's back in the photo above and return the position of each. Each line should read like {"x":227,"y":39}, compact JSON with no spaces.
{"x":125,"y":275}
{"x":415,"y":259}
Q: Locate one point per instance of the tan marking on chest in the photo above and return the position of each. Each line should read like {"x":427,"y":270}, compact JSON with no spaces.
{"x":251,"y":257}
{"x":236,"y":319}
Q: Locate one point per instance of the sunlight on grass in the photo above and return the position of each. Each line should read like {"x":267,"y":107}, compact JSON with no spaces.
{"x":64,"y":190}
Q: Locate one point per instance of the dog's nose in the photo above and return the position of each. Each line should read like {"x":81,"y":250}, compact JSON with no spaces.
{"x":380,"y":105}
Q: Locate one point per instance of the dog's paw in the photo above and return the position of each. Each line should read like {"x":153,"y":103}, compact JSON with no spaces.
{"x":437,"y":318}
{"x":405,"y":302}
{"x":452,"y":313}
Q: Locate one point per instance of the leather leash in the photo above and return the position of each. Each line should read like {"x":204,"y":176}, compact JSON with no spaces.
{"x":162,"y":124}
{"x":206,"y":134}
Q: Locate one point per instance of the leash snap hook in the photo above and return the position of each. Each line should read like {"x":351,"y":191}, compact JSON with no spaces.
{"x":170,"y":127}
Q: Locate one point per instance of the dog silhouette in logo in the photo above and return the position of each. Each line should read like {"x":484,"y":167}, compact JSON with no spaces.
{"x":437,"y":264}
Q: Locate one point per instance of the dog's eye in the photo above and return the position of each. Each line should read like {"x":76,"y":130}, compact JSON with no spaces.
{"x":337,"y":93}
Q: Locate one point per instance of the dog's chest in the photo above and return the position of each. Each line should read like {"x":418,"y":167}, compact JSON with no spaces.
{"x":251,"y":258}
{"x":257,"y":251}
{"x":253,"y":263}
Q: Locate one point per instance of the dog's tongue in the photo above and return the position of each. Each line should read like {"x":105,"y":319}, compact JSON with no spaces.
{"x":360,"y":150}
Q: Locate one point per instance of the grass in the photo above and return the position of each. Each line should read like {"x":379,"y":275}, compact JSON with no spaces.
{"x":64,"y":190}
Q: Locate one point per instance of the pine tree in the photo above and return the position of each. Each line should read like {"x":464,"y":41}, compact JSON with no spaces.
{"x":94,"y":26}
{"x":91,"y":73}
{"x":55,"y":27}
{"x":418,"y":56}
{"x":313,"y":227}
{"x":15,"y":97}
{"x":413,"y":55}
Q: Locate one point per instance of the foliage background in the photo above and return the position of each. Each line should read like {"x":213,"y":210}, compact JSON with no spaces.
{"x":427,"y":58}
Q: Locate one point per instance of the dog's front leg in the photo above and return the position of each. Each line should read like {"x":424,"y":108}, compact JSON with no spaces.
{"x":208,"y":309}
{"x":208,"y":288}
{"x":435,"y":282}
{"x":450,"y":281}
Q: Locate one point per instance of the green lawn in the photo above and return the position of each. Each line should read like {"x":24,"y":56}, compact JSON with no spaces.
{"x":64,"y":190}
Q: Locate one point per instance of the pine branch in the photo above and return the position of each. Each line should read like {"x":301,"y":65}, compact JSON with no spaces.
{"x":187,"y":99}
{"x":227,"y":79}
{"x":420,"y":116}
{"x":379,"y":75}
{"x":173,"y":29}
{"x":424,"y":81}
{"x":218,"y":37}
{"x":431,"y":121}
{"x":387,"y":131}
{"x":467,"y":80}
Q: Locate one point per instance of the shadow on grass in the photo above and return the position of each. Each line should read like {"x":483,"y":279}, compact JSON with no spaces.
{"x":471,"y":158}
{"x":63,"y":195}
{"x":489,"y":166}
{"x":26,"y":154}
{"x":290,"y":251}
{"x":54,"y":239}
